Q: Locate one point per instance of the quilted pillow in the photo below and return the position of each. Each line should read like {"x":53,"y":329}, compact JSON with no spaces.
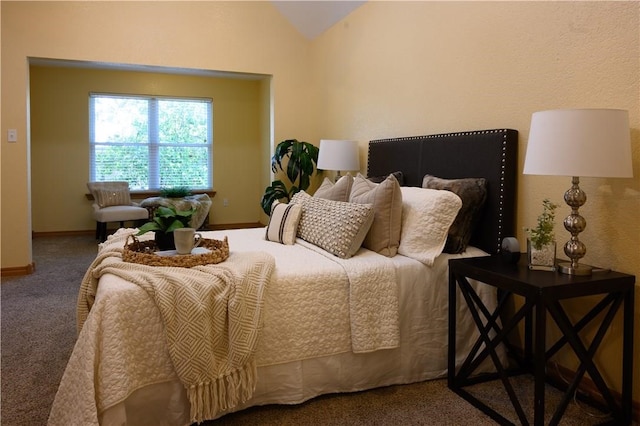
{"x":106,"y":197}
{"x":427,"y":215}
{"x":386,"y":198}
{"x":338,"y":191}
{"x":335,"y":226}
{"x":473,"y":193}
{"x":283,"y":223}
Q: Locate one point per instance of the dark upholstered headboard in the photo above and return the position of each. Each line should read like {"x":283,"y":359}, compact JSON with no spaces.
{"x":491,"y":154}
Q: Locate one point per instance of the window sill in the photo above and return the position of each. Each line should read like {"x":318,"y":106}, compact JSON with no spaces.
{"x":136,"y":195}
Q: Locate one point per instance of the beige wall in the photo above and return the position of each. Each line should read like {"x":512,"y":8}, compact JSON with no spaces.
{"x":412,"y":68}
{"x":60,"y":149}
{"x":388,"y":69}
{"x":248,"y":37}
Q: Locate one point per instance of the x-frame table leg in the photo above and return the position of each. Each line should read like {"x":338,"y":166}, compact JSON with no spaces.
{"x":474,"y":359}
{"x":584,"y":354}
{"x":542,"y":295}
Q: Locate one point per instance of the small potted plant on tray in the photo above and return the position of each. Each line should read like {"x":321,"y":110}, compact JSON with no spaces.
{"x":165,"y":221}
{"x":541,"y":244}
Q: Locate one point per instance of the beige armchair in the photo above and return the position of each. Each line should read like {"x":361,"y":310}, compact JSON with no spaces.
{"x":112,"y":203}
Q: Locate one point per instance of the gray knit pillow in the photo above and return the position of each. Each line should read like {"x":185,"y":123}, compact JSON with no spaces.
{"x":335,"y":226}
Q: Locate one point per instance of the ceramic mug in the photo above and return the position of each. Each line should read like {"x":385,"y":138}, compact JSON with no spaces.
{"x":186,"y":239}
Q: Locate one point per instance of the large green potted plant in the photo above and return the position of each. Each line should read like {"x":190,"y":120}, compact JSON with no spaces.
{"x":165,"y":221}
{"x":302,"y":161}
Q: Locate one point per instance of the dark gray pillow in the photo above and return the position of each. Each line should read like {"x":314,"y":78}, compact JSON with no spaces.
{"x":379,"y":179}
{"x":473,"y":193}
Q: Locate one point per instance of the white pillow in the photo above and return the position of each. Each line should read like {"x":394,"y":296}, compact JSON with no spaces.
{"x":283,"y":223}
{"x":427,"y":215}
{"x":106,"y":197}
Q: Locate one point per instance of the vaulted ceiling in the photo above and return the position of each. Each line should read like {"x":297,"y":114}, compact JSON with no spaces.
{"x":312,"y":18}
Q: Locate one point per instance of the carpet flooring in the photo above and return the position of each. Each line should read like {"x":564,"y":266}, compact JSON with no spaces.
{"x":38,"y":334}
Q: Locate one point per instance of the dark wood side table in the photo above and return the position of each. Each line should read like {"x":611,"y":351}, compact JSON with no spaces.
{"x":542,"y":292}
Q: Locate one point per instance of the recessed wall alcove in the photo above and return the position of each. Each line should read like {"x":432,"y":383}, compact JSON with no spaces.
{"x":59,"y":129}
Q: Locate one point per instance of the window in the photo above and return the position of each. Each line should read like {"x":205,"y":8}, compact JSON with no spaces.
{"x":151,"y":142}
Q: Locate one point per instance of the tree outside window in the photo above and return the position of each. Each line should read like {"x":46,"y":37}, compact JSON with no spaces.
{"x":151,"y":142}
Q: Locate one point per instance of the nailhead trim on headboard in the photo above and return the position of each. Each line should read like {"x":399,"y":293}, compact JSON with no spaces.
{"x":501,"y":205}
{"x":507,"y":152}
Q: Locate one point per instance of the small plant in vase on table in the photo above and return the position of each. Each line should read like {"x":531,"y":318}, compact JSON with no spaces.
{"x":541,"y":243}
{"x":165,"y":221}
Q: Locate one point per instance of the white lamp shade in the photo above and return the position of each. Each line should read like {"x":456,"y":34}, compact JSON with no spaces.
{"x":338,"y":155}
{"x":579,"y":142}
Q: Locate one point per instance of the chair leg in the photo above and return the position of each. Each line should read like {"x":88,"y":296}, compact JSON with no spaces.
{"x":103,"y":231}
{"x":97,"y":230}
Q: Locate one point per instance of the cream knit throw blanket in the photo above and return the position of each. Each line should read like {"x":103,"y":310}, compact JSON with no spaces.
{"x":212,"y":316}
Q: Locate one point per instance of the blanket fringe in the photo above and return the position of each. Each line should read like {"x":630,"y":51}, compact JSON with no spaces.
{"x":211,"y":398}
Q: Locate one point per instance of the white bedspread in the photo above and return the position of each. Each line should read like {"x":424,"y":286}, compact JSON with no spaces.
{"x":212,"y":315}
{"x":316,"y":305}
{"x":373,"y":299}
{"x":319,"y":304}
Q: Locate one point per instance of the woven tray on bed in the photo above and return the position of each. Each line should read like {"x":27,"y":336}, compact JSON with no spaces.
{"x":144,"y":252}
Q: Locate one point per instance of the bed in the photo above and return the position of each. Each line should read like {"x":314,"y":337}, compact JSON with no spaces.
{"x":327,"y":323}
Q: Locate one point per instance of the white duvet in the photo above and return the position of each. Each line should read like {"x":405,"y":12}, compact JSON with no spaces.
{"x":316,"y":305}
{"x":330,"y":325}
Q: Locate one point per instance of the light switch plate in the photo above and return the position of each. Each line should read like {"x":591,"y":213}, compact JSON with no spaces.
{"x":12,"y":135}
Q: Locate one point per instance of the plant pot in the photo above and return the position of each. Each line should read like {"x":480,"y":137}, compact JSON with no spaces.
{"x":542,"y":259}
{"x":164,"y":241}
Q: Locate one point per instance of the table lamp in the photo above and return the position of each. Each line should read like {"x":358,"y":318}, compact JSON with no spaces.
{"x":578,"y":142}
{"x":338,"y":155}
